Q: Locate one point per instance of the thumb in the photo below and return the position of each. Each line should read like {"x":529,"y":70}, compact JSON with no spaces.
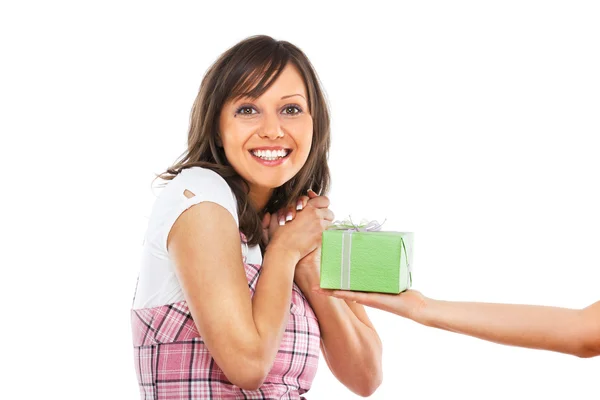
{"x":312,"y":194}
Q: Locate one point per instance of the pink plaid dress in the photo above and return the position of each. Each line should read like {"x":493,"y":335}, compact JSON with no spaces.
{"x":172,"y":362}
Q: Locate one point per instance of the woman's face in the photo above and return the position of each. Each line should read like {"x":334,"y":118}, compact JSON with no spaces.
{"x":267,"y":140}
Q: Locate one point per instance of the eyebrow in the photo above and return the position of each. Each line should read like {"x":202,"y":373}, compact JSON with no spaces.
{"x":292,"y":95}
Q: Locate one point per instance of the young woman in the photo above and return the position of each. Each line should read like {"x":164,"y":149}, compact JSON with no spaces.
{"x":570,"y":331}
{"x":223,"y":307}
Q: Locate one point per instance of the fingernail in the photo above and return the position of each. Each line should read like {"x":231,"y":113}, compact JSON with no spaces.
{"x":299,"y":205}
{"x":288,"y":216}
{"x":281,"y":221}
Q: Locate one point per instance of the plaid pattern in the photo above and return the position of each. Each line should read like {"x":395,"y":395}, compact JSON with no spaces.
{"x":172,"y":362}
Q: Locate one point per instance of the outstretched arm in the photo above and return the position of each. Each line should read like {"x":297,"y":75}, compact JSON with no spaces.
{"x":571,"y":331}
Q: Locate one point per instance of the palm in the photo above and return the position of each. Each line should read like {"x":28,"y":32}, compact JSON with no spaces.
{"x":406,"y":304}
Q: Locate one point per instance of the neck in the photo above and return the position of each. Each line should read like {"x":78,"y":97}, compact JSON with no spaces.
{"x":259,"y":197}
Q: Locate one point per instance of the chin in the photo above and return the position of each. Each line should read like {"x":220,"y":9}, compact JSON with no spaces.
{"x":274,"y":181}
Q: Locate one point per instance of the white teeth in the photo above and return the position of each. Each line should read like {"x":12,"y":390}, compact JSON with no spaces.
{"x":270,"y":155}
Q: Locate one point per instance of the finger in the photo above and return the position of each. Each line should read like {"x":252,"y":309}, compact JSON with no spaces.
{"x":301,"y":203}
{"x":326,"y":214}
{"x":346,"y":296}
{"x":324,"y":224}
{"x":275,"y":222}
{"x":319,"y":201}
{"x":281,"y":217}
{"x":290,"y":214}
{"x":266,"y":221}
{"x":340,"y":294}
{"x":375,"y":300}
{"x":312,"y":194}
{"x":358,"y":297}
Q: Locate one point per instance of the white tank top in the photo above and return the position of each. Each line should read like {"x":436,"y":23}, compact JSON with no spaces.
{"x":157,"y":283}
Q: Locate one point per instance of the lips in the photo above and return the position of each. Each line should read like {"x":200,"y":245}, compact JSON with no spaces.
{"x":271,"y":157}
{"x":271,"y":154}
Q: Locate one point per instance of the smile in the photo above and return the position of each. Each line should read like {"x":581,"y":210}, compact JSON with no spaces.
{"x":270,"y":156}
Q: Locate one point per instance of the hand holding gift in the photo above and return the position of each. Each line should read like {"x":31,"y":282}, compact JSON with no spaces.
{"x":408,"y":304}
{"x":530,"y":326}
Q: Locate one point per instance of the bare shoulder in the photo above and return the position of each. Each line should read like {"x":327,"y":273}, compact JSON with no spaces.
{"x":204,"y":226}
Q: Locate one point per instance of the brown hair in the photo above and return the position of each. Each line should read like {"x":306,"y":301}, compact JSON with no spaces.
{"x":248,"y":69}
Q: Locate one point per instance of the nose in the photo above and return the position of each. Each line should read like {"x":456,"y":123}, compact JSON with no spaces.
{"x":271,"y":128}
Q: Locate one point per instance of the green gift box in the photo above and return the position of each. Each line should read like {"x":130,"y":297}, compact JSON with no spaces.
{"x":361,"y":259}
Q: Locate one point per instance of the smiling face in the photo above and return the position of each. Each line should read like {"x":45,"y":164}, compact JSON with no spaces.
{"x":268,"y":139}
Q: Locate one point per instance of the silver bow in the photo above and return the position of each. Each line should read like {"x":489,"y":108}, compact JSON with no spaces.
{"x":350,"y":227}
{"x":363,"y":226}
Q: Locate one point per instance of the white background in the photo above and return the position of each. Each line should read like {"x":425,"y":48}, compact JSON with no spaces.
{"x":473,"y":124}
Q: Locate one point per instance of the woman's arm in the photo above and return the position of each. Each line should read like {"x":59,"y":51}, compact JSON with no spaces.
{"x":350,"y":344}
{"x":242,"y":334}
{"x":570,"y":331}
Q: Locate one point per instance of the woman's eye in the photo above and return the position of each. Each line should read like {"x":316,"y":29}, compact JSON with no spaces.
{"x":292,"y":110}
{"x":245,"y":110}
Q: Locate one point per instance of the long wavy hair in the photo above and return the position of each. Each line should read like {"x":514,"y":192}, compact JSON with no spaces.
{"x":249,"y":68}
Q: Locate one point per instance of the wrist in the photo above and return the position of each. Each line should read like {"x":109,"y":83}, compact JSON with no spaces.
{"x":425,"y":312}
{"x":289,"y":256}
{"x":306,"y":278}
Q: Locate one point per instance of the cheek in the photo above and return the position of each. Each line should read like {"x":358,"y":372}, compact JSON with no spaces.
{"x":305,"y":137}
{"x":302,"y":130}
{"x":233,"y":137}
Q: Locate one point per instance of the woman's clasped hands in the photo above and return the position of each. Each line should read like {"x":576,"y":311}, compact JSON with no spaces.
{"x":299,"y":230}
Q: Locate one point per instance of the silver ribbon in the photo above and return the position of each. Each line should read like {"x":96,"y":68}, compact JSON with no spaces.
{"x":363,"y":226}
{"x":346,"y":254}
{"x":350,"y":227}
